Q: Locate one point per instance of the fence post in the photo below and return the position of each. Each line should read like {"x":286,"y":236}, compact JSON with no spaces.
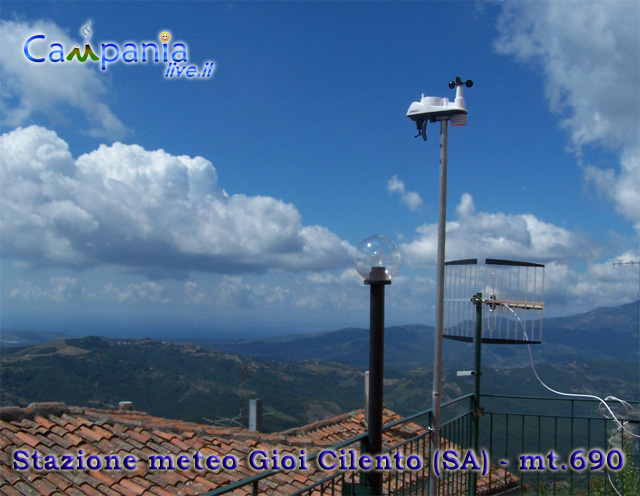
{"x":476,"y":411}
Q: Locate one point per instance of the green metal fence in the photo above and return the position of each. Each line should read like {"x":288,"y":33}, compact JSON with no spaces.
{"x":511,"y":427}
{"x":557,"y":429}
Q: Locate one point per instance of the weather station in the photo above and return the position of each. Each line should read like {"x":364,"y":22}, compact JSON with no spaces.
{"x":434,"y":109}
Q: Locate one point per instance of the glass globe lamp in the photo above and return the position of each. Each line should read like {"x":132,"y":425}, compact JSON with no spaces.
{"x":378,"y":258}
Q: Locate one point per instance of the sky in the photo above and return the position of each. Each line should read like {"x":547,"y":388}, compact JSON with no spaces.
{"x":231,"y":205}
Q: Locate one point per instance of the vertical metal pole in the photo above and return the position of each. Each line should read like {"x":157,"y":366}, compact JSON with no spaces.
{"x":437,"y":362}
{"x":477,"y":372}
{"x":376,"y":372}
{"x":241,"y":395}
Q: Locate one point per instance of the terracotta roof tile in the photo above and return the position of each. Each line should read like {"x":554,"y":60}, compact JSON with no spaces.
{"x":9,"y":426}
{"x":120,"y":490}
{"x":28,"y":425}
{"x":168,"y":447}
{"x":9,"y":475}
{"x":70,"y":423}
{"x":61,"y":482}
{"x":90,"y":434}
{"x":77,"y":477}
{"x":9,"y":490}
{"x":141,"y":481}
{"x":158,"y":491}
{"x":182,"y":446}
{"x":13,"y":440}
{"x":138,"y":436}
{"x":105,"y":446}
{"x":26,"y":489}
{"x":104,"y":477}
{"x":4,"y":440}
{"x":195,"y":486}
{"x":158,"y":479}
{"x":209,"y":485}
{"x":27,"y":438}
{"x":43,"y":485}
{"x":172,"y":477}
{"x":167,"y":436}
{"x":87,"y":489}
{"x":156,"y":448}
{"x":132,"y":487}
{"x":74,"y":491}
{"x":47,"y":439}
{"x":72,"y":439}
{"x":44,"y":422}
{"x":122,"y":444}
{"x":107,"y":491}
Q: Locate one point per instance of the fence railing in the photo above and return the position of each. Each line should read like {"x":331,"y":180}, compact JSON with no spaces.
{"x":573,"y":447}
{"x":548,"y":432}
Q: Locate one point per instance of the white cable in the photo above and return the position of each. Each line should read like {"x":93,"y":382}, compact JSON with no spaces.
{"x":608,"y":474}
{"x":577,"y":395}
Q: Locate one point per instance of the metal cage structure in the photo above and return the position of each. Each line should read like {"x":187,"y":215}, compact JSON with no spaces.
{"x":512,"y":296}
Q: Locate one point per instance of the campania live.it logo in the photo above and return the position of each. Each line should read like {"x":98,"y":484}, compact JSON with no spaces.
{"x":176,"y":57}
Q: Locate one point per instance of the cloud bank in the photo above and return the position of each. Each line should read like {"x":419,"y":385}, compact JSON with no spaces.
{"x":149,"y":211}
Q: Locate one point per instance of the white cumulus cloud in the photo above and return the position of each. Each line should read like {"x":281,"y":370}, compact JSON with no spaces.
{"x":410,"y":198}
{"x":61,"y":289}
{"x":603,"y":282}
{"x":30,"y":88}
{"x":496,"y":235}
{"x":148,"y":291}
{"x":589,"y":53}
{"x":149,"y":211}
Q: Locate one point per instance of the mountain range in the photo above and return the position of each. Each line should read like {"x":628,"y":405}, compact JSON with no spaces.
{"x":601,"y":334}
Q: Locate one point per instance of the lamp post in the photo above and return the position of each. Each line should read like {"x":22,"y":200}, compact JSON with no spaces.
{"x":377,"y":260}
{"x":434,"y":109}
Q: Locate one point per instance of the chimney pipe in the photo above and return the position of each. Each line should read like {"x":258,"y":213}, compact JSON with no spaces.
{"x":255,"y":415}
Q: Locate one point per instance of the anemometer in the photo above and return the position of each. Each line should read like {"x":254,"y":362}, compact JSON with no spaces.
{"x":433,"y":108}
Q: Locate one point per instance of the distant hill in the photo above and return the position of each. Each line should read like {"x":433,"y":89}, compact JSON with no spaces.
{"x":601,"y":334}
{"x":10,"y":337}
{"x":402,"y":344}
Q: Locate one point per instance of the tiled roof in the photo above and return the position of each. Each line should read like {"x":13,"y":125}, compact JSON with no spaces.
{"x":56,"y":429}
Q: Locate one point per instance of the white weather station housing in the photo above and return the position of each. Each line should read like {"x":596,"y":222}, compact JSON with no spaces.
{"x":434,"y":108}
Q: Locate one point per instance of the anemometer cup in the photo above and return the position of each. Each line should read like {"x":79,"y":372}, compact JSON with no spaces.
{"x":458,"y":82}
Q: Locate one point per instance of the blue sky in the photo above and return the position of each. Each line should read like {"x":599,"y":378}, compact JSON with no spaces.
{"x":140,"y":205}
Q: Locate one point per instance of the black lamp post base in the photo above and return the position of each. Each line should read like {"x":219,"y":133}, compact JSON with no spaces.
{"x":355,"y":489}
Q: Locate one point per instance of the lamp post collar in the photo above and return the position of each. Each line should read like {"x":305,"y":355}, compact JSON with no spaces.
{"x":378,"y":275}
